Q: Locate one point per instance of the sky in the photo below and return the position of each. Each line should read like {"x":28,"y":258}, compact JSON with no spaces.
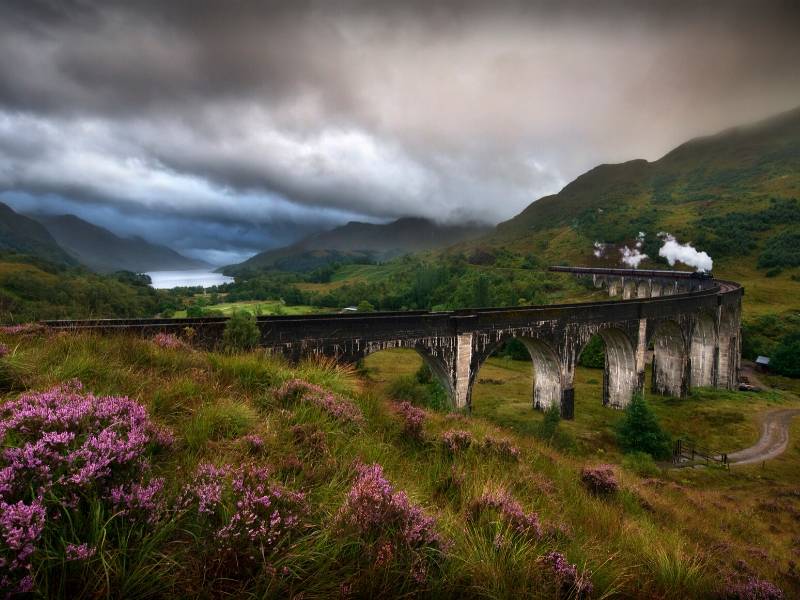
{"x":225,"y":128}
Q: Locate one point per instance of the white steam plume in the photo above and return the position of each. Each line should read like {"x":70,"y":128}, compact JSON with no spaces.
{"x":685,"y":253}
{"x":599,"y":249}
{"x":632,"y":256}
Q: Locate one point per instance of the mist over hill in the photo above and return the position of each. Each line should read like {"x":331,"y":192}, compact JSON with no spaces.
{"x":357,"y":241}
{"x":104,"y":252}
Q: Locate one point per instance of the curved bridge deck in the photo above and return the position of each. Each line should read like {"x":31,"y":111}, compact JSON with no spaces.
{"x":691,"y":322}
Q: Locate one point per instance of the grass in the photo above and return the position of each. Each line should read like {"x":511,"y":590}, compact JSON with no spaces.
{"x":666,"y":534}
{"x":257,"y":307}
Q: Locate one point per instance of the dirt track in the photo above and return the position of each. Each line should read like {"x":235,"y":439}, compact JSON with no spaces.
{"x":774,"y":438}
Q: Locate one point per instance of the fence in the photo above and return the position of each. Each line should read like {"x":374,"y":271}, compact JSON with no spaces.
{"x":685,"y":451}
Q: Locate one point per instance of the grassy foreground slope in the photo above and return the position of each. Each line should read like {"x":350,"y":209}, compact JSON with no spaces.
{"x":662,"y":537}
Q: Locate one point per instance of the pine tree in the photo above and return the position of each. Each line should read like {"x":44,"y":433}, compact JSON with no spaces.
{"x":639,"y":431}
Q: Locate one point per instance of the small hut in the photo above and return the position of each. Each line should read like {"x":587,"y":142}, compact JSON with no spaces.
{"x":762,"y":364}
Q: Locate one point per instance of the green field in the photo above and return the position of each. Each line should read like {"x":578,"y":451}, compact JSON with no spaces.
{"x":257,"y":307}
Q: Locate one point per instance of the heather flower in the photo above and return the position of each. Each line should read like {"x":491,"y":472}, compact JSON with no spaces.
{"x":21,"y":328}
{"x":311,"y":438}
{"x":509,"y":511}
{"x":254,"y":443}
{"x":297,"y":390}
{"x":752,"y":588}
{"x":569,"y":582}
{"x":456,"y":440}
{"x":264,"y":515}
{"x":59,"y":447}
{"x":3,"y":350}
{"x":501,"y":447}
{"x":79,"y":552}
{"x":600,"y":480}
{"x":144,"y":500}
{"x":413,"y":419}
{"x":168,"y":341}
{"x":21,"y":526}
{"x":387,"y":521}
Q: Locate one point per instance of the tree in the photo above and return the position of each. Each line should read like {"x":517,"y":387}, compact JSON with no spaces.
{"x":786,"y":359}
{"x":241,"y":332}
{"x":639,"y":431}
{"x":594,"y":354}
{"x":365,"y":306}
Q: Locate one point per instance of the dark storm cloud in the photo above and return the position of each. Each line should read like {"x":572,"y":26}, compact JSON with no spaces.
{"x":251,"y":114}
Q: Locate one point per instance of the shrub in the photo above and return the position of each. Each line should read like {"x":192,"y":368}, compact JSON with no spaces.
{"x":549,"y":426}
{"x":393,"y":529}
{"x":501,"y":447}
{"x":254,"y":443}
{"x":249,"y":516}
{"x":65,"y":449}
{"x":640,"y":463}
{"x":594,"y":354}
{"x":457,"y":440}
{"x":600,"y":480}
{"x":509,"y":511}
{"x":786,"y":359}
{"x":781,"y":250}
{"x":568,"y":581}
{"x":639,"y":431}
{"x":298,"y":390}
{"x":168,"y":341}
{"x":241,"y":332}
{"x":413,"y":420}
{"x":751,"y":589}
{"x":421,"y":389}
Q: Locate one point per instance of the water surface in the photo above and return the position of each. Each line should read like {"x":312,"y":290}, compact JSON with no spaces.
{"x":164,"y":280}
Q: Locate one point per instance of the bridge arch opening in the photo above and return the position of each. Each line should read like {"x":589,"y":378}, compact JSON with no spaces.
{"x":643,"y":290}
{"x":618,"y":363}
{"x":539,"y":384}
{"x":409,"y":373}
{"x":703,"y":351}
{"x":669,"y":360}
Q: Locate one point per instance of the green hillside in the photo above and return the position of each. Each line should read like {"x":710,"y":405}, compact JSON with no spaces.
{"x":733,"y":195}
{"x":104,"y":252}
{"x":20,"y":235}
{"x":357,"y":242}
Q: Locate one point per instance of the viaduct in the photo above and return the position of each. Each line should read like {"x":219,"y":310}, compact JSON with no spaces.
{"x":690,"y":321}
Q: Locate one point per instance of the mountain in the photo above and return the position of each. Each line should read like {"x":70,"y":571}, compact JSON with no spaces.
{"x":357,"y":241}
{"x":105,"y":252}
{"x":733,"y":195}
{"x":22,"y":235}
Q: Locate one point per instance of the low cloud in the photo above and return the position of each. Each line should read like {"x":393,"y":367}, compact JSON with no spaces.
{"x":271,"y":116}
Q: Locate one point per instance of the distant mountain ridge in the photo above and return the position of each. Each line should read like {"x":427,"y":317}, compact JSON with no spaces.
{"x":356,"y":240}
{"x":104,"y":252}
{"x":22,"y":235}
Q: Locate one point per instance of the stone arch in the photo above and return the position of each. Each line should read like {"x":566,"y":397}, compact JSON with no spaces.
{"x":703,"y":351}
{"x":437,"y":365}
{"x":620,"y":379}
{"x":546,"y":373}
{"x":655,"y":289}
{"x":629,"y":290}
{"x":643,"y":290}
{"x":670,"y":360}
{"x":546,"y":369}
